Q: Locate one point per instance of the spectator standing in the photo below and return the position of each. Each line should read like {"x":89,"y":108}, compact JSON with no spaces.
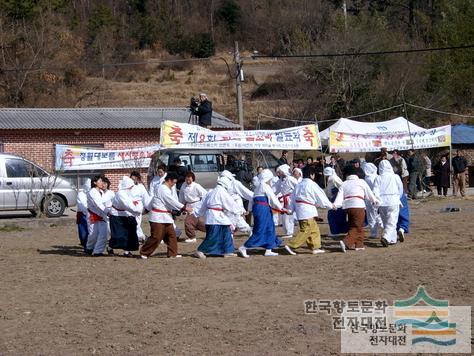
{"x":204,"y":111}
{"x":442,"y":172}
{"x":284,"y":158}
{"x":400,"y":167}
{"x":459,"y":163}
{"x":428,"y":174}
{"x":415,"y":170}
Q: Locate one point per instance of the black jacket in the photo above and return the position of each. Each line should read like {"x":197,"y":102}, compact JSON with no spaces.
{"x":459,"y":164}
{"x":204,"y":111}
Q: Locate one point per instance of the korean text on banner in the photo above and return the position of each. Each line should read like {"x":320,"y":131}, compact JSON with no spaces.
{"x":179,"y":135}
{"x":77,"y":158}
{"x":350,"y":142}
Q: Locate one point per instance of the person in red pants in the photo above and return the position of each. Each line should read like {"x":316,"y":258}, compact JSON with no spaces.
{"x":351,"y":197}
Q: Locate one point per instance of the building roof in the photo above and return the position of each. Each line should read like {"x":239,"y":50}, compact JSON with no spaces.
{"x":462,"y":134}
{"x":98,"y":118}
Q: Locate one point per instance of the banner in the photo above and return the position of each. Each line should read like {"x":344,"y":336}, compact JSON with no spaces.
{"x":178,"y":135}
{"x":350,"y":142}
{"x":77,"y":158}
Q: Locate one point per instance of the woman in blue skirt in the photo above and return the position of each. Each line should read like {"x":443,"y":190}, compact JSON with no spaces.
{"x":403,"y":219}
{"x":337,"y":219}
{"x":263,"y":233}
{"x":216,"y":204}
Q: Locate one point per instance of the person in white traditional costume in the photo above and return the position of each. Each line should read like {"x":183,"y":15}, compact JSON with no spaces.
{"x":82,"y":215}
{"x":158,"y":179}
{"x":263,"y":233}
{"x":139,"y":193}
{"x":373,"y":216}
{"x":284,"y":188}
{"x":388,"y":188}
{"x":215,"y":208}
{"x":306,"y":197}
{"x":192,"y":194}
{"x":239,"y":192}
{"x":98,"y":216}
{"x":337,"y":219}
{"x":164,"y":201}
{"x":298,"y":174}
{"x":351,"y":197}
{"x":123,"y":218}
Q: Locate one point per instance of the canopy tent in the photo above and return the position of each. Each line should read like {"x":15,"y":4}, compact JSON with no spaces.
{"x":463,"y":134}
{"x":397,"y":125}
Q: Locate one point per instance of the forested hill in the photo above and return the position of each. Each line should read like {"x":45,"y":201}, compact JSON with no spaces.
{"x":85,"y":52}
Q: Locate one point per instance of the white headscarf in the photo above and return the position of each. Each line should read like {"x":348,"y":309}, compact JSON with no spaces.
{"x":329,"y":171}
{"x":285,"y":169}
{"x":385,"y":167}
{"x":126,"y":183}
{"x":298,"y":170}
{"x":369,"y":169}
{"x":265,"y":176}
{"x":225,"y":182}
{"x":227,"y":174}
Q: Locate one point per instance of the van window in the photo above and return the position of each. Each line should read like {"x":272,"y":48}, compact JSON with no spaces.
{"x":204,"y":163}
{"x":17,"y":168}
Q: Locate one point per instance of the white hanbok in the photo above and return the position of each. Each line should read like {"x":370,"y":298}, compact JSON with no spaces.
{"x":373,"y":216}
{"x":388,"y":188}
{"x":139,"y":193}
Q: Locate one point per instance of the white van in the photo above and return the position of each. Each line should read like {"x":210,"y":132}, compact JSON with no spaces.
{"x":26,"y":186}
{"x":207,"y":164}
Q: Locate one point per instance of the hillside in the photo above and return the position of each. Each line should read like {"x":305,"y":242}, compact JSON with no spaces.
{"x":110,"y":53}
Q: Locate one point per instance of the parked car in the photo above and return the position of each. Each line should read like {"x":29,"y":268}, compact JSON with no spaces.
{"x":207,"y":164}
{"x":26,"y":186}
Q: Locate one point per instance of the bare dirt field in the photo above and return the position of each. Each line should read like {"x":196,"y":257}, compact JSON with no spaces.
{"x":54,"y":300}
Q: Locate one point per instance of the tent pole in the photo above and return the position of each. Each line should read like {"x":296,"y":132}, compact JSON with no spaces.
{"x":450,"y":161}
{"x":408,"y":124}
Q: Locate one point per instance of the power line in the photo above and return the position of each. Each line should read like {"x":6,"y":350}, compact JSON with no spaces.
{"x":439,"y":111}
{"x":285,"y":119}
{"x":355,"y":54}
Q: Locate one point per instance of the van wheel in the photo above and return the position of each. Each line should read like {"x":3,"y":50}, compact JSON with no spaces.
{"x":54,"y":206}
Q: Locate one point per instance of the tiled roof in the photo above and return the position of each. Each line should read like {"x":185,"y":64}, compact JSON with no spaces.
{"x":98,"y":118}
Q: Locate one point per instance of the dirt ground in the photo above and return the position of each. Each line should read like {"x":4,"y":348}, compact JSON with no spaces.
{"x":54,"y":300}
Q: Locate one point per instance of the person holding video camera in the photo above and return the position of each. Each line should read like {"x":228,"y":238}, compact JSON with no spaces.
{"x":203,"y":109}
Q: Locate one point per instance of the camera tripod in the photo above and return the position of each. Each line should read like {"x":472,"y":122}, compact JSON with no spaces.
{"x":193,"y":119}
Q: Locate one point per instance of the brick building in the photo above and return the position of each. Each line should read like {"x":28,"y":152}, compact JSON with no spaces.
{"x":33,"y":133}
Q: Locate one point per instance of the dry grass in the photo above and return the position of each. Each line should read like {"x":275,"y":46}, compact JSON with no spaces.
{"x":174,"y":84}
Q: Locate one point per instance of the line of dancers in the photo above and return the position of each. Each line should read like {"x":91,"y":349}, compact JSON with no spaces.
{"x":294,"y":197}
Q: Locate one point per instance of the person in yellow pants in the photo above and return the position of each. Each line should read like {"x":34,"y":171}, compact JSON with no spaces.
{"x":306,"y":197}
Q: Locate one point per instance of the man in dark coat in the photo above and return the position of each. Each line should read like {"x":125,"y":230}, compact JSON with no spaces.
{"x":204,"y":111}
{"x":441,"y":173}
{"x":459,"y":173}
{"x":283,"y":159}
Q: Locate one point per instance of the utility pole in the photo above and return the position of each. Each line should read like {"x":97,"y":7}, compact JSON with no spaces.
{"x":238,"y":84}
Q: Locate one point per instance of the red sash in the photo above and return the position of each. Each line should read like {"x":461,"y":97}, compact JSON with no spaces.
{"x":93,"y":217}
{"x":304,"y":202}
{"x":216,"y":208}
{"x":354,"y":196}
{"x":266,"y":204}
{"x":161,"y":211}
{"x":285,"y":199}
